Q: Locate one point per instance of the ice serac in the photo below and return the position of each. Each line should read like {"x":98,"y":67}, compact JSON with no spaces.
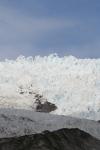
{"x":71,"y":84}
{"x":64,"y":139}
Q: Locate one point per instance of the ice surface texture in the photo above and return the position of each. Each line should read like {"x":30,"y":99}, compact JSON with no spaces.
{"x":72,"y":84}
{"x":24,"y":122}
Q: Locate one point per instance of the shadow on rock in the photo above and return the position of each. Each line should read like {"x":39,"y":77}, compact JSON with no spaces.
{"x":63,"y":139}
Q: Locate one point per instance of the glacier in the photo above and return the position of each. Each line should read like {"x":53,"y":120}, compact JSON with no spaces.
{"x":19,"y":122}
{"x":72,"y":84}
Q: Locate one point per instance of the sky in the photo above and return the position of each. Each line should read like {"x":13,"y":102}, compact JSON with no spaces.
{"x":42,"y":27}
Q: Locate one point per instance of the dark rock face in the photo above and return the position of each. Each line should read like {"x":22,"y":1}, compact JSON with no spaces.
{"x":43,"y":106}
{"x":64,"y":139}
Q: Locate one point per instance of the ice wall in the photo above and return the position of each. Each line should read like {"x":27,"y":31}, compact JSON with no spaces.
{"x":72,"y":84}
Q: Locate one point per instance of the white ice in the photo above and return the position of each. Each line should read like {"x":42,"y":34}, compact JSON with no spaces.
{"x":72,"y":84}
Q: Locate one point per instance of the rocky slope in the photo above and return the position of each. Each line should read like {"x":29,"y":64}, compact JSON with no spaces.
{"x":64,"y":139}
